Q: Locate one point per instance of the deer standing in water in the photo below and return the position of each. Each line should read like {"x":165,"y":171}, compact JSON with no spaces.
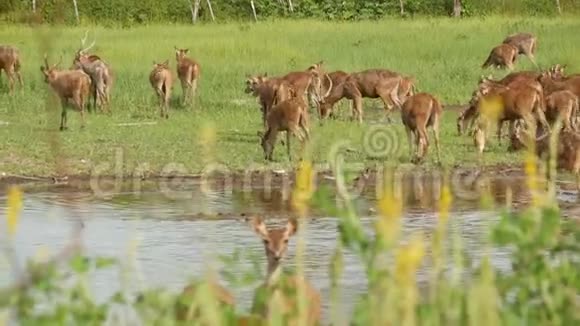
{"x":279,"y":290}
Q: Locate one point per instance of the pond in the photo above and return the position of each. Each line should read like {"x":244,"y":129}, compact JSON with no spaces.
{"x":181,"y":227}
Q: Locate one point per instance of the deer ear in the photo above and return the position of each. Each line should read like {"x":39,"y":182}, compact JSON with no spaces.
{"x":259,"y":226}
{"x":166,"y":63}
{"x":291,"y":227}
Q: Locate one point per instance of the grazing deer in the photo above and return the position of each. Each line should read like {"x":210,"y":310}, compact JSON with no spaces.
{"x":99,"y":72}
{"x":419,"y":112}
{"x":373,"y":83}
{"x":269,"y":92}
{"x":334,"y":91}
{"x":526,"y":44}
{"x":188,"y":71}
{"x":189,"y":297}
{"x":10,"y":63}
{"x":291,"y":116}
{"x":502,"y":56}
{"x":162,"y":81}
{"x":280,"y":288}
{"x":68,"y":85}
{"x":518,"y":101}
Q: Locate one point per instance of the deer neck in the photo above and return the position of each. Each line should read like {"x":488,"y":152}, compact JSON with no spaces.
{"x":274,"y":272}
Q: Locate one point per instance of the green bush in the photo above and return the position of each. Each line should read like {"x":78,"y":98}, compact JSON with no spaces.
{"x":147,"y":11}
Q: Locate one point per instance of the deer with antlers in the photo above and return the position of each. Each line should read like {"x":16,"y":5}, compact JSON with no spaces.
{"x":162,"y":81}
{"x":69,"y":85}
{"x":279,"y":291}
{"x":98,"y":70}
{"x":188,"y":71}
{"x":10,"y":63}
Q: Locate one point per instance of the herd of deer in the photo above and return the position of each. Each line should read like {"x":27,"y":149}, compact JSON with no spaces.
{"x":526,"y":96}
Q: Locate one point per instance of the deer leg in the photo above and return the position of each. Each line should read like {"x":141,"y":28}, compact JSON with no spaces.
{"x":358,"y":108}
{"x":10,"y":75}
{"x":410,"y":140}
{"x":193,"y":88}
{"x":435,"y":129}
{"x":288,"y":145}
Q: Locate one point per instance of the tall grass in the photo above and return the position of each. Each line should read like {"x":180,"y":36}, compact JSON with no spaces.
{"x":443,"y":54}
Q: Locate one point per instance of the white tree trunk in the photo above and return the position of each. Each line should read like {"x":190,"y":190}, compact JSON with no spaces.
{"x":291,"y":5}
{"x":559,"y":7}
{"x":33,"y":5}
{"x":76,"y":10}
{"x":402,"y":7}
{"x":210,"y":10}
{"x":254,"y":10}
{"x":195,"y":10}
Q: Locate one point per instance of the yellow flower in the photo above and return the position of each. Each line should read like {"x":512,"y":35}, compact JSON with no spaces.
{"x":14,"y":207}
{"x":303,"y":188}
{"x":389,"y":223}
{"x":409,"y":258}
{"x":444,"y":203}
{"x":491,"y":107}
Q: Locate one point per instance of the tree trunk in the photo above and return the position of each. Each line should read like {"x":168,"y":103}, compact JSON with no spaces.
{"x":33,"y":5}
{"x":456,"y":8}
{"x":402,"y":7}
{"x":254,"y":10}
{"x":76,"y":10}
{"x":210,"y":10}
{"x":559,"y":7}
{"x":291,"y":5}
{"x":194,"y":11}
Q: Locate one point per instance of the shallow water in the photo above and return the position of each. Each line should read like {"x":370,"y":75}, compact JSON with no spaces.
{"x":179,"y":235}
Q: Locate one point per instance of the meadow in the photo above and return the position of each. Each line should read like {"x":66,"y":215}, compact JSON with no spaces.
{"x":444,"y":56}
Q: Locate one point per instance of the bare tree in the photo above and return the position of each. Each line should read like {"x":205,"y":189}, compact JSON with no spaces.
{"x":559,"y":7}
{"x":457,"y":8}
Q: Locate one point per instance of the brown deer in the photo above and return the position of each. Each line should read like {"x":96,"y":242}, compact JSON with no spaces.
{"x":502,"y":56}
{"x":335,"y":92}
{"x":519,"y":101}
{"x":562,"y":104}
{"x":99,"y":72}
{"x":418,"y":113}
{"x":291,"y":116}
{"x":278,"y":285}
{"x":69,"y":85}
{"x":526,"y":44}
{"x":10,"y":63}
{"x":308,"y":83}
{"x":188,"y":71}
{"x":269,"y":92}
{"x":373,"y":83}
{"x":189,"y":298}
{"x":162,"y":81}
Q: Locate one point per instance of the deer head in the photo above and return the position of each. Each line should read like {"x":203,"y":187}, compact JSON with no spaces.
{"x":49,"y":71}
{"x":180,"y":54}
{"x":82,"y":52}
{"x":275,"y":240}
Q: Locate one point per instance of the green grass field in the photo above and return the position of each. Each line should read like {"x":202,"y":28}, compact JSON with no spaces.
{"x":444,"y":55}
